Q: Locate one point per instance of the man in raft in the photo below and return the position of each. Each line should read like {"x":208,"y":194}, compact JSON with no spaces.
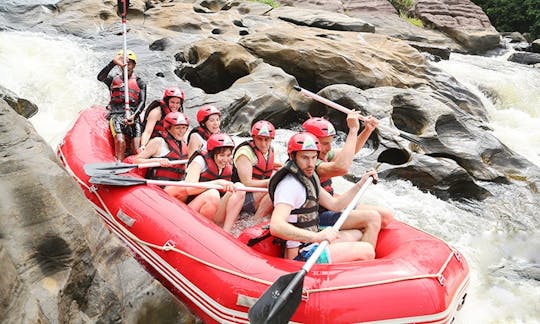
{"x":336,"y":162}
{"x":253,"y":165}
{"x":169,"y":146}
{"x":296,"y":194}
{"x":123,"y":128}
{"x":212,"y":167}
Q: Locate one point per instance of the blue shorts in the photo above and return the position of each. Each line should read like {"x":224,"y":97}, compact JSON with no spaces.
{"x":249,"y":204}
{"x":306,"y":252}
{"x":328,"y":218}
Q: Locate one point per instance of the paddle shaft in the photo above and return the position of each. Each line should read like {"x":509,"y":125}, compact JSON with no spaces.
{"x":339,"y":107}
{"x":157,"y":164}
{"x":318,"y":251}
{"x":126,"y":76}
{"x":201,"y":185}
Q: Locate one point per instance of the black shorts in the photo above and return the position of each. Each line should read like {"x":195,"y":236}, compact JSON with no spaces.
{"x":117,"y":126}
{"x":249,"y":204}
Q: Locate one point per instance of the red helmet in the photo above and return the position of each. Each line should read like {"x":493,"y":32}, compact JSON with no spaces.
{"x":263,"y":128}
{"x":175,"y":118}
{"x":205,"y":111}
{"x":319,"y":127}
{"x":173,"y":92}
{"x":303,"y":142}
{"x":219,"y":140}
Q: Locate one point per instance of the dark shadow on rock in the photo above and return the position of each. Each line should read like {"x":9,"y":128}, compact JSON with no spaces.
{"x":211,"y":75}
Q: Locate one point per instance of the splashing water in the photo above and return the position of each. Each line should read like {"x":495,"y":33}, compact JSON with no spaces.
{"x":498,"y":236}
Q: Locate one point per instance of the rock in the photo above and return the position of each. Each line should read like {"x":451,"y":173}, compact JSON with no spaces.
{"x":525,"y":58}
{"x":59,"y":263}
{"x":248,"y":89}
{"x":535,"y":46}
{"x":462,"y":20}
{"x":326,"y":5}
{"x":22,"y":106}
{"x":320,"y":58}
{"x":514,"y":37}
{"x":322,"y":19}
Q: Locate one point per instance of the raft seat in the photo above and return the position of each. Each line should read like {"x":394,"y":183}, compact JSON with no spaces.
{"x":259,"y":238}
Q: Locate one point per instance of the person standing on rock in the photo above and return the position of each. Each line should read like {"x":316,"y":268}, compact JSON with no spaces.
{"x":173,"y":100}
{"x":123,"y":128}
{"x":336,"y":162}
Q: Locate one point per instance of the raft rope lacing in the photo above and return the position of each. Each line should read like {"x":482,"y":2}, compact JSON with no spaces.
{"x":167,"y":246}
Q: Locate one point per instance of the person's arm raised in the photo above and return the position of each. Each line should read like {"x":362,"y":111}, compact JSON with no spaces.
{"x":342,"y":160}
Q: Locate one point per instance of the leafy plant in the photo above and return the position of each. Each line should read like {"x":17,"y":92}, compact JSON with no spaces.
{"x":272,"y":3}
{"x":513,"y":15}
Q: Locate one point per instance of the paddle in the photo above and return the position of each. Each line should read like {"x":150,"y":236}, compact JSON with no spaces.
{"x":94,"y":169}
{"x":125,"y":181}
{"x":279,"y":302}
{"x":122,"y":12}
{"x":339,"y":107}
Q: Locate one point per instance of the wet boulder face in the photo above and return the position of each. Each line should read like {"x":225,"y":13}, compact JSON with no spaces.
{"x":22,"y":106}
{"x":59,"y":263}
{"x":454,"y":153}
{"x":462,"y":20}
{"x":244,"y":87}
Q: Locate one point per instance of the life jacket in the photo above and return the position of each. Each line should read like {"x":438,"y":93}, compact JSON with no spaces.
{"x":178,"y":151}
{"x":264,"y":167}
{"x":117,"y":93}
{"x":159,"y":128}
{"x":326,"y":182}
{"x":308,"y":213}
{"x":212,"y":170}
{"x":205,"y":134}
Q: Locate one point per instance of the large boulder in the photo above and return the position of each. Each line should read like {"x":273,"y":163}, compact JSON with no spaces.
{"x":59,"y":262}
{"x":22,"y":106}
{"x":462,"y":20}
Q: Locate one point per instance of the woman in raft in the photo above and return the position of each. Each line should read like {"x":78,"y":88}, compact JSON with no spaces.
{"x":213,"y":167}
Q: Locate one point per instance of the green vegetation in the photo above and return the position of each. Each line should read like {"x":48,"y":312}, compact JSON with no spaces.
{"x":415,"y":21}
{"x":272,"y":3}
{"x":403,"y":7}
{"x":513,"y":15}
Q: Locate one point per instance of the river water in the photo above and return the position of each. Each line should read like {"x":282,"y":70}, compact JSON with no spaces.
{"x":499,"y":237}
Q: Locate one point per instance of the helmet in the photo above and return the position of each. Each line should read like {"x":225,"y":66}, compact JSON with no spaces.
{"x":319,"y":127}
{"x":130,"y":55}
{"x":173,"y":92}
{"x":263,"y":128}
{"x":175,"y":118}
{"x":303,"y":142}
{"x":219,"y":140}
{"x":205,"y":111}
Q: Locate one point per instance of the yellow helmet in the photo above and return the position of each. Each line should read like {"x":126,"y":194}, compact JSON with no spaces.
{"x":130,"y":55}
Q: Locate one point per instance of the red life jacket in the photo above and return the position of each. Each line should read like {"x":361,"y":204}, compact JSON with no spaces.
{"x":117,"y":92}
{"x":326,"y":182}
{"x":205,"y":134}
{"x":264,"y":167}
{"x":159,"y":128}
{"x":212,"y":170}
{"x":178,"y":151}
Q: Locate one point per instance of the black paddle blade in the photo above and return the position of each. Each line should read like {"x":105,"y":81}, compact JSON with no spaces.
{"x":116,"y":180}
{"x":93,"y":169}
{"x":122,"y":7}
{"x":278,"y":304}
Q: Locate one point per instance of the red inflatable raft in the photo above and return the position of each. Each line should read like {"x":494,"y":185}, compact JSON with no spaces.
{"x":415,"y":278}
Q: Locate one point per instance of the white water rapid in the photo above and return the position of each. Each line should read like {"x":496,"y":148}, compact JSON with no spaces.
{"x":499,"y":237}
